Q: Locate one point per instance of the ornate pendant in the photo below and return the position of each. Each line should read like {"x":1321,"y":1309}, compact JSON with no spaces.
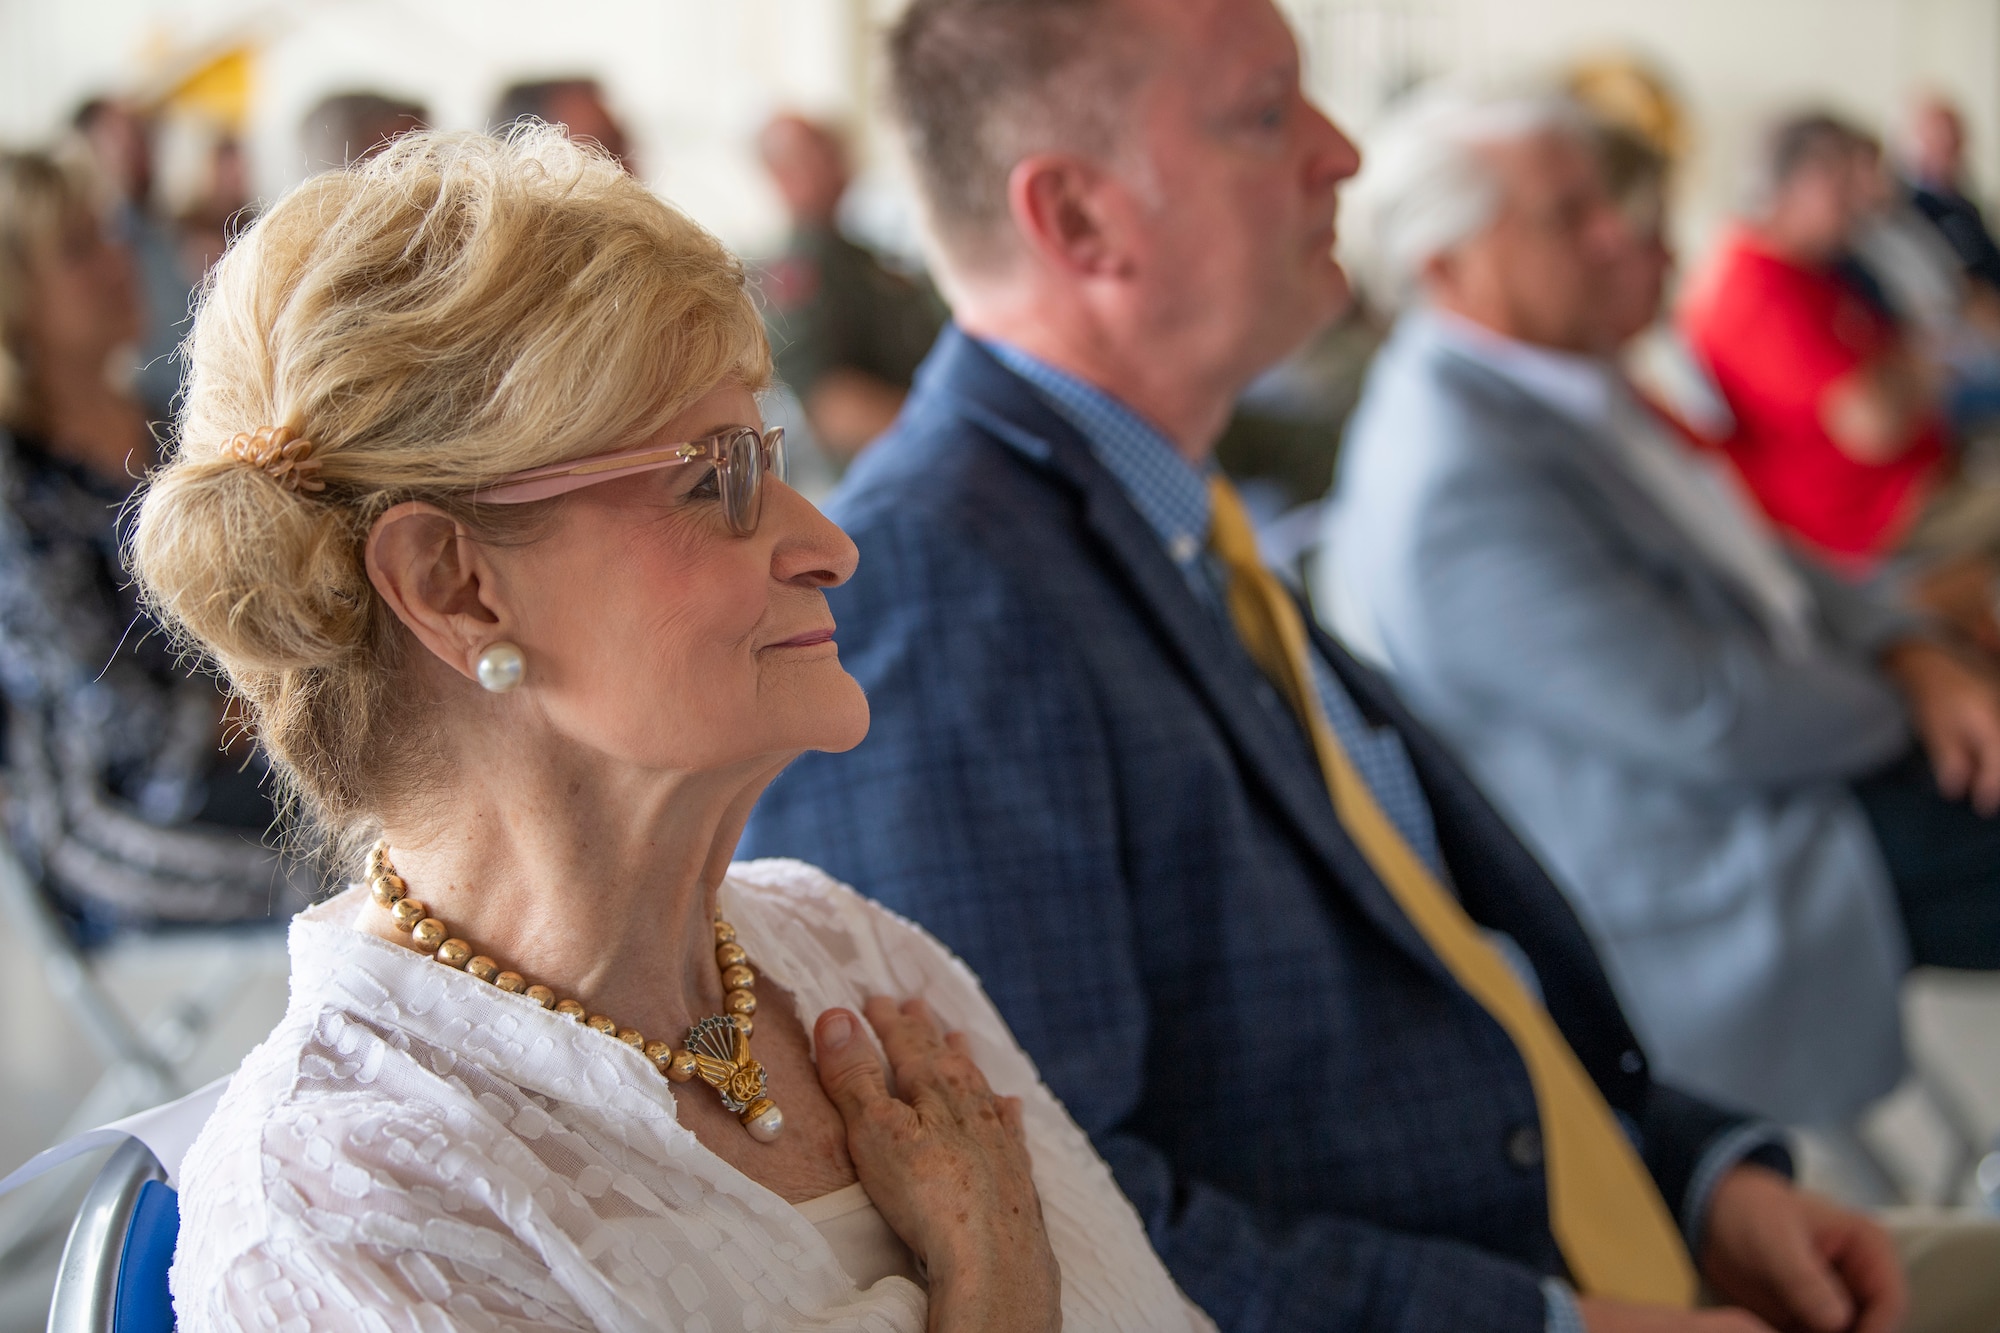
{"x":722,"y":1060}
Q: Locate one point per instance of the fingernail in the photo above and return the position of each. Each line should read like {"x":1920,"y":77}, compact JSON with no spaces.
{"x":835,"y":1031}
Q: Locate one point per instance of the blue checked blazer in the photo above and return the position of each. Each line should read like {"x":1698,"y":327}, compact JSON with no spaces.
{"x":1068,"y":781}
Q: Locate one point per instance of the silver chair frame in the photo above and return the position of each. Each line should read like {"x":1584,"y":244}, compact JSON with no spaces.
{"x":86,"y":1292}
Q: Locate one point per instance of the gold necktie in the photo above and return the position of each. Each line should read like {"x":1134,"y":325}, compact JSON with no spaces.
{"x":1614,"y":1229}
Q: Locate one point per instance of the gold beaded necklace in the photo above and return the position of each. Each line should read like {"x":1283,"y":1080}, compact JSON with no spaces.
{"x":717,"y":1049}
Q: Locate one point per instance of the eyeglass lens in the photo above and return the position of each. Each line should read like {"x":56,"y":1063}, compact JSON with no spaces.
{"x":741,"y":475}
{"x":742,"y":483}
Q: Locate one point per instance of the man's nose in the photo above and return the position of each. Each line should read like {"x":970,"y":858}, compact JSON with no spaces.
{"x":1334,"y":156}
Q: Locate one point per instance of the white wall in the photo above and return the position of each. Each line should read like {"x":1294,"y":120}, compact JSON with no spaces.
{"x":695,"y":77}
{"x":1735,"y":62}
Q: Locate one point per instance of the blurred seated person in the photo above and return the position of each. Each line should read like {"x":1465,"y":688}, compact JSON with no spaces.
{"x":203,"y":226}
{"x":848,"y":331}
{"x":354,"y":126}
{"x":1932,"y":162}
{"x":1908,"y":269}
{"x":577,"y":103}
{"x":118,"y":138}
{"x":123,"y":797}
{"x":547,"y":643}
{"x":1946,"y":562}
{"x":1718,"y":749}
{"x":1837,"y":424}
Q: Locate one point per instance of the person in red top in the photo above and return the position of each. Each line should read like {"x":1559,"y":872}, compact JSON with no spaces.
{"x":1837,"y":429}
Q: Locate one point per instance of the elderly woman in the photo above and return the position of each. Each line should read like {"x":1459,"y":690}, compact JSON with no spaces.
{"x":121,"y":795}
{"x":473,"y":503}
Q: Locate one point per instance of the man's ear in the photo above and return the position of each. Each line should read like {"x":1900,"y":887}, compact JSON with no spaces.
{"x":1067,"y":212}
{"x":1442,"y":275}
{"x":436,"y":578}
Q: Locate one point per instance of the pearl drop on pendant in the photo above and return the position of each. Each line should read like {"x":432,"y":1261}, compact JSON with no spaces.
{"x":766,"y":1127}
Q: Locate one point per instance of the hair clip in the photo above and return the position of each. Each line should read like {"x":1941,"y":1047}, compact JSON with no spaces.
{"x":281,"y":454}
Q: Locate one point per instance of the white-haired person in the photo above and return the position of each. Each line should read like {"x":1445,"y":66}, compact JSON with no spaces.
{"x":1766,"y":792}
{"x":472,"y":502}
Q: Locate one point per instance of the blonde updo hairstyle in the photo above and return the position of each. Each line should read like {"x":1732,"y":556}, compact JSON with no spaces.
{"x":458,"y":308}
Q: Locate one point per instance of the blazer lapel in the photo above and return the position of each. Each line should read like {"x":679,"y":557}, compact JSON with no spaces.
{"x":991,"y":396}
{"x":1626,"y":505}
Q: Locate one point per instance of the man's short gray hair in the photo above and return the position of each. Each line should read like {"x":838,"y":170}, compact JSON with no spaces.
{"x":977,"y":85}
{"x":1427,"y":182}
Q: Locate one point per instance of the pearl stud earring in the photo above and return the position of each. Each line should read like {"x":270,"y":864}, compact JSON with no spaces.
{"x":501,"y":667}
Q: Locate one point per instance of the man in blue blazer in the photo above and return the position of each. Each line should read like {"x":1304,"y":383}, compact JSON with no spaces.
{"x":1080,"y":780}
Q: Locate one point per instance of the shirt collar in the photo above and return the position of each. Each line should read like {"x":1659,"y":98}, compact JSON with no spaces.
{"x":1581,"y":387}
{"x":1170,"y":493}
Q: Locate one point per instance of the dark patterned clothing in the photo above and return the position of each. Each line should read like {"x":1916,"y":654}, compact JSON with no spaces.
{"x":121,"y":796}
{"x":1960,"y":222}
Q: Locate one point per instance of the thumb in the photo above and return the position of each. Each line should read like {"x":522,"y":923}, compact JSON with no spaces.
{"x":848,"y":1068}
{"x":1951,"y":765}
{"x":1809,"y":1287}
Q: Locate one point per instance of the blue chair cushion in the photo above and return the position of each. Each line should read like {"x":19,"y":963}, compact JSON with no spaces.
{"x":143,"y":1304}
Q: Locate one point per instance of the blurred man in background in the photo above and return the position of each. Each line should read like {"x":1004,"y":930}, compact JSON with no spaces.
{"x":218,"y":206}
{"x":848,"y":332}
{"x":119,"y":139}
{"x":1708,"y":741}
{"x":352,"y":127}
{"x":1932,"y":158}
{"x":575,"y":102}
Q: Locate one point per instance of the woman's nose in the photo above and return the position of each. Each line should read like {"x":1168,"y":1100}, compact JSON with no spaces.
{"x":810,"y":548}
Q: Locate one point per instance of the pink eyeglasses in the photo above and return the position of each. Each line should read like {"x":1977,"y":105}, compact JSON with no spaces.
{"x":741,"y":454}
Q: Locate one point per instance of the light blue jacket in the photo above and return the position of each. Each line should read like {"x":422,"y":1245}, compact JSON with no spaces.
{"x":1611,"y":688}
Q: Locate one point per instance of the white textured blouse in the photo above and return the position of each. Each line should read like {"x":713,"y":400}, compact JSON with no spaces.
{"x":414,"y":1149}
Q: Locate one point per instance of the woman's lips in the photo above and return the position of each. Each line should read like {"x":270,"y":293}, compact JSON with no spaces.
{"x":808,"y":639}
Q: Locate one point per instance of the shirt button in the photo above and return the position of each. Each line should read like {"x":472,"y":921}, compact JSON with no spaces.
{"x":1631,"y":1062}
{"x":1184,"y":548}
{"x":1524,"y":1147}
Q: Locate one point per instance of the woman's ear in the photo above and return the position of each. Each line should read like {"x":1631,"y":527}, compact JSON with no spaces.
{"x":437,"y":580}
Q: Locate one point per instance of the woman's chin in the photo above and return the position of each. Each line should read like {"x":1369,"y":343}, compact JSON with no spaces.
{"x":821,"y":708}
{"x":847,"y":722}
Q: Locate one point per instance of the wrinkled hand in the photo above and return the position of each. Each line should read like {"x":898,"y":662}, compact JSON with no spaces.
{"x":1957,"y":715}
{"x":1798,"y":1260}
{"x":946,"y":1162}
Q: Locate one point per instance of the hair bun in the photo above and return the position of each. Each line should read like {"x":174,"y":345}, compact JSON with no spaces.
{"x":286,"y":593}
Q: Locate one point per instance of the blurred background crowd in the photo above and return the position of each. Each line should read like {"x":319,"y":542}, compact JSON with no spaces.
{"x":1812,"y":294}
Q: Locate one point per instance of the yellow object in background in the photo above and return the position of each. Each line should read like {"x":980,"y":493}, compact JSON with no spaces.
{"x":217,"y":88}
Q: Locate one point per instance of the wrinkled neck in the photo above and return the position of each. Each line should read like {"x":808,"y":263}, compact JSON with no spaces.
{"x":596,"y":881}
